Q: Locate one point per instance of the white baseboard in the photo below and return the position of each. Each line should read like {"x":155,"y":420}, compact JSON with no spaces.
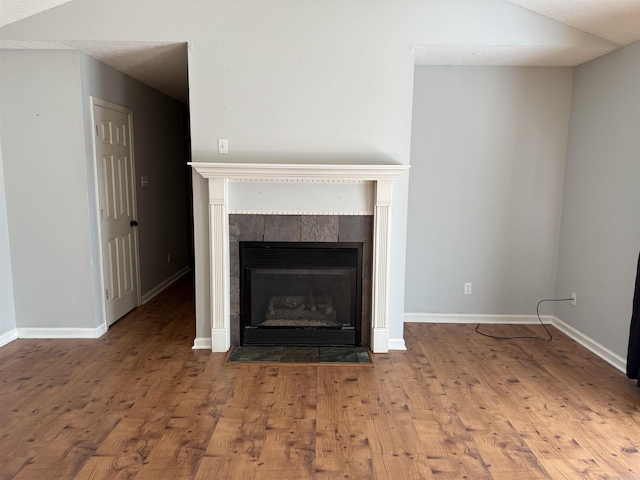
{"x":379,"y":340}
{"x":220,"y":340}
{"x":473,"y":318}
{"x":61,"y":332}
{"x":8,"y":337}
{"x":201,"y":343}
{"x":601,"y":351}
{"x":159,"y":288}
{"x":397,"y":344}
{"x":590,"y":344}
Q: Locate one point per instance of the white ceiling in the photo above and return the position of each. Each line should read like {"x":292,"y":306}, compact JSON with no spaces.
{"x":615,"y":20}
{"x":14,"y":10}
{"x":164,"y":65}
{"x":161,"y":65}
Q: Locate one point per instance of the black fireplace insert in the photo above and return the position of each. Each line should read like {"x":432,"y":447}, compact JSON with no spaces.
{"x":300,"y":293}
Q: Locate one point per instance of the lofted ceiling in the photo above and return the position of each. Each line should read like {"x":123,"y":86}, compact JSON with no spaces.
{"x":617,"y":21}
{"x":164,"y":67}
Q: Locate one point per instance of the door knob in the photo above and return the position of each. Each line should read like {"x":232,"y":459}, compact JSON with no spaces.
{"x":133,"y":223}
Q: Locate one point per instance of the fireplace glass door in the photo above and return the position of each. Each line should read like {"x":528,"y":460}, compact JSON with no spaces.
{"x":300,"y":293}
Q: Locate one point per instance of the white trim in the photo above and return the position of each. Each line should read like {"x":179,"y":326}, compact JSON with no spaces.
{"x":380,"y":276}
{"x":8,"y":337}
{"x":590,"y":344}
{"x":201,"y":343}
{"x":220,"y":340}
{"x":245,"y":179}
{"x":299,"y":172}
{"x":379,"y":340}
{"x":62,"y":332}
{"x":160,"y":287}
{"x":219,"y":270}
{"x":397,"y":344}
{"x":587,"y":342}
{"x":296,"y":212}
{"x":475,"y":318}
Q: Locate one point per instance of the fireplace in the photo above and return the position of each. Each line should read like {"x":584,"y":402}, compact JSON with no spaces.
{"x":273,"y":189}
{"x":300,"y":293}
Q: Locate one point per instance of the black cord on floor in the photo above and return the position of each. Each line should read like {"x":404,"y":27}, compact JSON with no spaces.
{"x":532,"y":337}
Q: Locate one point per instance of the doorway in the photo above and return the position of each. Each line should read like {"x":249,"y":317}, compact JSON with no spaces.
{"x":115,"y":172}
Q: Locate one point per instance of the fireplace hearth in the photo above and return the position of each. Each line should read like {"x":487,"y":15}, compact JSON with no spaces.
{"x":300,"y":293}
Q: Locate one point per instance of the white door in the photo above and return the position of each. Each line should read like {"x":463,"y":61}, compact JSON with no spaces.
{"x":116,"y":192}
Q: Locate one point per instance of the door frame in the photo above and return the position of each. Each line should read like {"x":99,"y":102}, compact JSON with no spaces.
{"x":96,"y":101}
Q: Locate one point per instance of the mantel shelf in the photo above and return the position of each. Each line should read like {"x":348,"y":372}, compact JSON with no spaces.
{"x":299,"y":171}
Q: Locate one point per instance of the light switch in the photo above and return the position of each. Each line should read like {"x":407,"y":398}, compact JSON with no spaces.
{"x":223,"y":146}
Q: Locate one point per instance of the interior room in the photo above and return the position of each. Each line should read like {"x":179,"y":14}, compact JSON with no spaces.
{"x":491,"y":146}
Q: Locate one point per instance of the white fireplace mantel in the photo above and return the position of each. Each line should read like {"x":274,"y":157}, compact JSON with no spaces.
{"x":220,"y":174}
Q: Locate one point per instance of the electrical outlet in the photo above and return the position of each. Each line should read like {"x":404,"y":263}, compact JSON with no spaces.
{"x":467,"y":289}
{"x":574,"y":298}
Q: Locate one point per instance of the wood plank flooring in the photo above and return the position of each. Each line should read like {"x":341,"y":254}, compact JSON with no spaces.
{"x":140,"y":403}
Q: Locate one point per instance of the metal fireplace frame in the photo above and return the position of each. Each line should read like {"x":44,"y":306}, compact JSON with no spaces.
{"x":347,"y":256}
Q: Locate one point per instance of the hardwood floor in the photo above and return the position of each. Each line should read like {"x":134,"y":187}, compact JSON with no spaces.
{"x":140,"y":403}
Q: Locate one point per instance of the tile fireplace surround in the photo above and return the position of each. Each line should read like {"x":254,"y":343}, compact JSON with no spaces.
{"x":297,"y":189}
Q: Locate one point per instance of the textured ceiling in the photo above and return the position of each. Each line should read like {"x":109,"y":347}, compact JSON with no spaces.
{"x":160,"y":65}
{"x":14,"y":10}
{"x":164,"y":65}
{"x":615,"y":20}
{"x":506,"y":55}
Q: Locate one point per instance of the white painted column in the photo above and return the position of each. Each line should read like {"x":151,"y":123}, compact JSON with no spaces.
{"x":381,"y":240}
{"x":219,"y":247}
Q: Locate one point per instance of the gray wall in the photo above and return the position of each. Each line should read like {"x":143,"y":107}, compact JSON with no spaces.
{"x":600,"y":235}
{"x":41,"y":126}
{"x":49,"y":180}
{"x":487,"y":168}
{"x":159,"y":155}
{"x":7,"y":305}
{"x":303,"y":78}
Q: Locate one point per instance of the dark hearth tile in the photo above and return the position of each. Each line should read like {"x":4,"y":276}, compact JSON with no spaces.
{"x":319,"y":228}
{"x":366,"y":330}
{"x":338,"y":354}
{"x":292,"y":354}
{"x":299,"y":355}
{"x":367,"y":259}
{"x":246,"y":228}
{"x":235,"y":329}
{"x":356,"y":228}
{"x":366,"y":295}
{"x":363,"y":355}
{"x":234,"y":259}
{"x":235,"y":295}
{"x":261,"y":354}
{"x":282,"y":228}
{"x":234,"y":229}
{"x":236,"y":354}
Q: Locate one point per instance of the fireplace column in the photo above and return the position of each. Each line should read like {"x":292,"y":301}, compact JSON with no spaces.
{"x":381,"y":240}
{"x":219,"y":248}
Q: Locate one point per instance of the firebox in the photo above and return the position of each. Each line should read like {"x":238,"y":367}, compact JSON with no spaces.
{"x":306,"y":294}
